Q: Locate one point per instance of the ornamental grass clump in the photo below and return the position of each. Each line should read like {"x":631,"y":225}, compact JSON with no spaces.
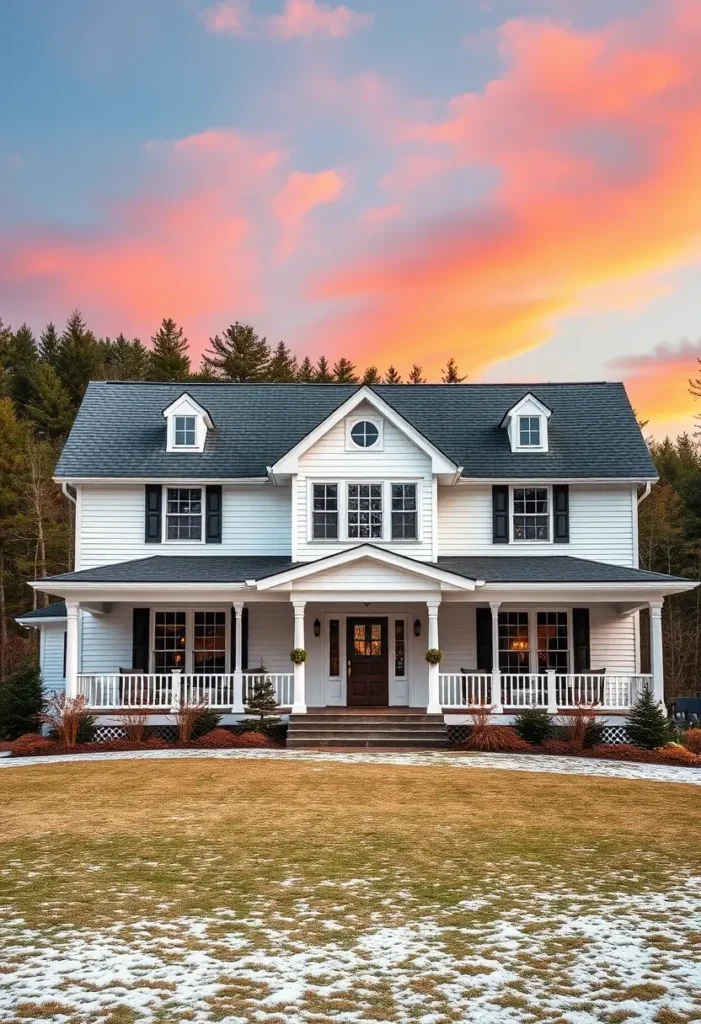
{"x":691,"y":739}
{"x":486,"y":736}
{"x":134,"y":724}
{"x":580,"y":729}
{"x":189,"y":710}
{"x":68,"y":719}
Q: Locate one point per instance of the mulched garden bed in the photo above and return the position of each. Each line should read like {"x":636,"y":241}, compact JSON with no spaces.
{"x":33,"y":745}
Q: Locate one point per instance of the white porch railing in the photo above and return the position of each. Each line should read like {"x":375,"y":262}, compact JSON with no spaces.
{"x":163,"y":692}
{"x":544,"y":690}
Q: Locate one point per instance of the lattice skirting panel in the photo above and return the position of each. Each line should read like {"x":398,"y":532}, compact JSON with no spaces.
{"x":163,"y":732}
{"x":110,"y":732}
{"x":613,"y":734}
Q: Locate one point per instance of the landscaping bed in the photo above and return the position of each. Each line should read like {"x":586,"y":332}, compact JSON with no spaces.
{"x":34,"y":745}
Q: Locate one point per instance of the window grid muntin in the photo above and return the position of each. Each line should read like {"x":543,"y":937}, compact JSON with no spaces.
{"x":365,"y":434}
{"x":514,"y":643}
{"x":209,"y":642}
{"x":529,"y":432}
{"x":184,"y":513}
{"x":325,"y":511}
{"x":364,"y":511}
{"x":185,"y":431}
{"x":404,"y":512}
{"x":531,"y":513}
{"x":169,"y":641}
{"x":553,"y":636}
{"x":367,"y":639}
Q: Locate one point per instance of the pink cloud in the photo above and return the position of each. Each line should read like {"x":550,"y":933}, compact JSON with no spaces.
{"x":378,"y":215}
{"x":300,"y":194}
{"x":298,"y":19}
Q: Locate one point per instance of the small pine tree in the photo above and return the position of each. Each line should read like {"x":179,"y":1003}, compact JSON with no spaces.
{"x":451,"y":374}
{"x":534,"y":725}
{"x":21,"y":701}
{"x":323,"y":372}
{"x":169,"y":355}
{"x":372,"y":376}
{"x":648,"y":725}
{"x":392,"y":376}
{"x":283,"y":365}
{"x":416,"y":375}
{"x":262,"y":701}
{"x":344,"y":372}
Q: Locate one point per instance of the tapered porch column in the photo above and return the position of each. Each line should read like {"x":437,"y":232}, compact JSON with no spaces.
{"x":299,"y":705}
{"x":656,"y":651}
{"x":494,"y":607}
{"x":237,"y":706}
{"x":434,"y":699}
{"x":72,"y":613}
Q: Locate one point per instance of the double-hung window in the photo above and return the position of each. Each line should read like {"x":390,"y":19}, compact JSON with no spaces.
{"x":531,"y":513}
{"x":514,"y":642}
{"x":404,"y":512}
{"x":529,"y":432}
{"x":184,"y":513}
{"x":209,"y":647}
{"x":365,"y":511}
{"x":553,"y":641}
{"x":325,"y":511}
{"x":169,"y":641}
{"x":185,"y":431}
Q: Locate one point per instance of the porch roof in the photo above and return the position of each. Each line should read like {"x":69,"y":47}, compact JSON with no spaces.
{"x":536,"y":569}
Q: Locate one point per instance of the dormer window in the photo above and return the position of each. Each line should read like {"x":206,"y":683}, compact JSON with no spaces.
{"x":529,"y":431}
{"x":185,"y":431}
{"x":527,"y":425}
{"x":364,"y":433}
{"x":187,"y":425}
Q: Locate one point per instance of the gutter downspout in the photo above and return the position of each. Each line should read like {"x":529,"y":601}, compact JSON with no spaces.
{"x":645,"y":494}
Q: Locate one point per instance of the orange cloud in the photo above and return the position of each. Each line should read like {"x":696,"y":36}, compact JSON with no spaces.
{"x":298,"y":19}
{"x":300,"y":194}
{"x":658,"y":382}
{"x":593,"y":140}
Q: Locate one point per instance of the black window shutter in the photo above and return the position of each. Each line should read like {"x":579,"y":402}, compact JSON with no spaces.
{"x":154,"y":498}
{"x":244,"y":640}
{"x":582,"y":649}
{"x":140,"y":648}
{"x":500,"y":514}
{"x":214,"y":514}
{"x":484,"y":640}
{"x":561,"y":507}
{"x":65,"y":645}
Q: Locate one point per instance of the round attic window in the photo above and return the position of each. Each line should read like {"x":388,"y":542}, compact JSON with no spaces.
{"x":364,"y":434}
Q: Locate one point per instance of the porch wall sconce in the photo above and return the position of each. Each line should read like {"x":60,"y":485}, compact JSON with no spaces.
{"x":417,"y":627}
{"x":317,"y":627}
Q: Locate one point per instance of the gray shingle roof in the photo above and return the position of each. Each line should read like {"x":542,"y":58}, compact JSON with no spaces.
{"x":238,"y":569}
{"x":547,"y":569}
{"x":57,"y":610}
{"x":120,"y":431}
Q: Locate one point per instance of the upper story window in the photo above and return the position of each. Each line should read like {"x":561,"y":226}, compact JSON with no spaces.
{"x":183,"y":518}
{"x":325,"y":512}
{"x":404,"y":512}
{"x":364,"y":434}
{"x":365,"y":511}
{"x":529,"y":432}
{"x":185,"y":431}
{"x":531,"y":513}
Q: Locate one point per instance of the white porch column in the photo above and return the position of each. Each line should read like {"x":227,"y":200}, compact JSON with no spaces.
{"x":237,"y":706}
{"x":656,"y":651}
{"x":434,"y":697}
{"x":72,"y":614}
{"x":496,"y":673}
{"x":299,"y":706}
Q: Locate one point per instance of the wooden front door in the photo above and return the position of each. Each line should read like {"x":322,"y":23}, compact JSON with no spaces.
{"x":368,"y":681}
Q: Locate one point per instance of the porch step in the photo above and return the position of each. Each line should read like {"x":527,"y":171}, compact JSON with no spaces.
{"x":415,"y":731}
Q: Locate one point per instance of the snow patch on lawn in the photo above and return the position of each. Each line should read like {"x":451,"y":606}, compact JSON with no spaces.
{"x":509,"y":762}
{"x":605,"y":954}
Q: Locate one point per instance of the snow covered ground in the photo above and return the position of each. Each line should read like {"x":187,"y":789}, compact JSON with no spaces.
{"x":509,"y":762}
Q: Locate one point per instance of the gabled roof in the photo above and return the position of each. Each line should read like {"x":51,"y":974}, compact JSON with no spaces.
{"x":528,"y":398}
{"x":186,"y":398}
{"x":593,"y":432}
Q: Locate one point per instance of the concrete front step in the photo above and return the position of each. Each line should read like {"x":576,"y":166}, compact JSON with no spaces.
{"x":339,"y":734}
{"x":377,"y":741}
{"x":341,"y":729}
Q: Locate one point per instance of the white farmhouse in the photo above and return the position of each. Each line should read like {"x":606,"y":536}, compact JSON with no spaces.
{"x":220,"y":526}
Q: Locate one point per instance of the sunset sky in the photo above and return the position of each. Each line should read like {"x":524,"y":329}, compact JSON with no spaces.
{"x":516,"y":183}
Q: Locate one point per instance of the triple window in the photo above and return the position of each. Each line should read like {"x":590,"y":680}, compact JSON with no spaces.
{"x":364,"y":511}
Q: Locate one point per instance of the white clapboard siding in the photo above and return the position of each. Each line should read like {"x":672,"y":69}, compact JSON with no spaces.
{"x":255,"y":521}
{"x":270,"y":636}
{"x":372,"y":576}
{"x":612,"y":641}
{"x":400,"y":460}
{"x":51,"y":651}
{"x":601,"y":524}
{"x":457,"y":637}
{"x":106,"y":640}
